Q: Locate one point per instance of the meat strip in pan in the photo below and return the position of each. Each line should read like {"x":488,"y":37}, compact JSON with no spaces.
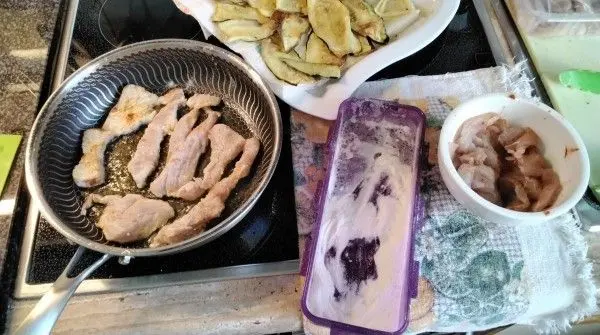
{"x":211,"y":206}
{"x":225,"y":146}
{"x":186,"y":147}
{"x":134,"y":109}
{"x":145,"y":158}
{"x":129,"y":218}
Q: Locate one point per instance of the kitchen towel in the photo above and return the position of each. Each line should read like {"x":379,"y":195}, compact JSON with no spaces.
{"x":474,"y":275}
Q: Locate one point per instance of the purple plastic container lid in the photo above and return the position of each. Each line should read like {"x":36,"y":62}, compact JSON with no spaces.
{"x":363,"y":111}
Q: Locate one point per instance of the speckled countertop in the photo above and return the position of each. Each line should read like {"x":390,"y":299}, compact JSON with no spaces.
{"x":25,"y":33}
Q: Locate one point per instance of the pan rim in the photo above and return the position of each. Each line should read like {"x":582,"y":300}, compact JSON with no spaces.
{"x":31,"y":168}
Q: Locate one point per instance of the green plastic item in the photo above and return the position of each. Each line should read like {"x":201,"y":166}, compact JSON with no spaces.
{"x":9,"y":144}
{"x":588,"y":81}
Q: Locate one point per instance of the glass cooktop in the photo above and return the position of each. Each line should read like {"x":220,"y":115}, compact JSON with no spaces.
{"x":266,"y":241}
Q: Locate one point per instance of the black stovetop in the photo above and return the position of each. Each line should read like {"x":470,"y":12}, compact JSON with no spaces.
{"x":268,"y":233}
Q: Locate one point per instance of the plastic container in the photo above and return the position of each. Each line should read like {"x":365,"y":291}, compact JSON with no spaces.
{"x":360,"y":273}
{"x":566,"y":10}
{"x":559,"y":17}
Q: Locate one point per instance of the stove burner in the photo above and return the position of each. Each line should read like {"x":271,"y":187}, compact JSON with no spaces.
{"x":123,"y":22}
{"x":266,"y":241}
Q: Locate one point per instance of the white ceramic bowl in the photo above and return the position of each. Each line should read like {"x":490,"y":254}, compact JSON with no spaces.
{"x":558,"y":138}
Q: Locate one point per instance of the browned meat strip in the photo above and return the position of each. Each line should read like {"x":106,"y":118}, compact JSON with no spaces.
{"x":225,"y":145}
{"x":129,"y":218}
{"x":520,"y":201}
{"x":211,"y":206}
{"x":509,"y":135}
{"x":186,"y":146}
{"x":173,"y":95}
{"x":532,"y":164}
{"x":503,"y":163}
{"x":466,"y":172}
{"x":186,"y":123}
{"x":526,"y":140}
{"x":203,"y":100}
{"x":497,"y":127}
{"x":91,"y":170}
{"x":183,"y":157}
{"x":512,"y":191}
{"x":550,"y":190}
{"x":145,"y":157}
{"x":492,"y":159}
{"x":484,"y":183}
{"x":134,"y":109}
{"x":533,"y":187}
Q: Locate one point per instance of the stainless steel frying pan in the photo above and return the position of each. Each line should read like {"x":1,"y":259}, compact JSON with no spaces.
{"x":82,"y":101}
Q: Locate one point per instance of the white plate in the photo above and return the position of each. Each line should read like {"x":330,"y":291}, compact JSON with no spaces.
{"x":323,"y":99}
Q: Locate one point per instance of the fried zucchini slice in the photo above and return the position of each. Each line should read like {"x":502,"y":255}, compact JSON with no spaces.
{"x":365,"y":46}
{"x":300,"y":48}
{"x":289,"y":56}
{"x":226,"y":11}
{"x":291,"y":30}
{"x":245,"y":30}
{"x":317,"y":52}
{"x":272,"y":57}
{"x":292,"y":55}
{"x":237,"y":2}
{"x":303,"y":7}
{"x":393,"y":8}
{"x":265,"y":7}
{"x":330,"y":20}
{"x":365,"y":21}
{"x":290,"y":6}
{"x":314,"y":69}
{"x":351,"y":61}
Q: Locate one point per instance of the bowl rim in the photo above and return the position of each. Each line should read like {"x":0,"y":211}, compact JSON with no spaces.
{"x":445,"y":160}
{"x":32,"y":171}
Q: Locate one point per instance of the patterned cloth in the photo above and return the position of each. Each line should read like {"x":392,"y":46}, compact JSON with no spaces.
{"x":474,"y":275}
{"x":475,"y":268}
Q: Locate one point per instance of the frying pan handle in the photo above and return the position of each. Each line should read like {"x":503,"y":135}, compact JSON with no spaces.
{"x":42,"y":318}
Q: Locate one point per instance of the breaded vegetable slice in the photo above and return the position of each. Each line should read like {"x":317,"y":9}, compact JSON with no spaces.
{"x":265,"y":7}
{"x":245,"y":30}
{"x":314,"y":69}
{"x":365,"y":21}
{"x":227,"y":11}
{"x":293,"y":26}
{"x":291,"y":6}
{"x":317,"y":52}
{"x":330,"y":20}
{"x":271,"y":55}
